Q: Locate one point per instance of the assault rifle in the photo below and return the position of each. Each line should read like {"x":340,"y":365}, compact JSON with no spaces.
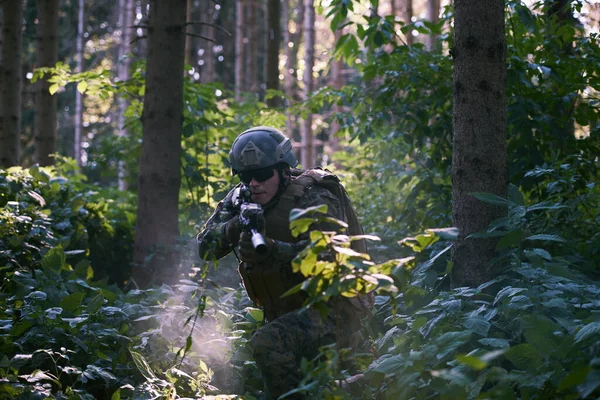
{"x":249,"y":217}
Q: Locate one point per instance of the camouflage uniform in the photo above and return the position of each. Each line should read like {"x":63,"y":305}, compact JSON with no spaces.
{"x":288,"y":335}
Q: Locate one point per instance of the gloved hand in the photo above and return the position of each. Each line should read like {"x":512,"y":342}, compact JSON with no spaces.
{"x":232,"y":230}
{"x":246,"y":250}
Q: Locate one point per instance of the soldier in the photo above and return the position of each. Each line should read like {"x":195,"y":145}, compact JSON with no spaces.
{"x":263,"y":158}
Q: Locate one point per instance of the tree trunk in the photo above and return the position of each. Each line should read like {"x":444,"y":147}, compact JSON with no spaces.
{"x":336,"y":83}
{"x":159,"y":177}
{"x":10,"y":79}
{"x":251,"y":45}
{"x":308,"y":158}
{"x":288,"y":75}
{"x":479,"y":153}
{"x":433,"y":15}
{"x":47,"y":56}
{"x":406,"y":14}
{"x":208,"y":71}
{"x":189,"y":42}
{"x":273,"y":45}
{"x":239,"y":49}
{"x":126,"y":21}
{"x":78,"y":117}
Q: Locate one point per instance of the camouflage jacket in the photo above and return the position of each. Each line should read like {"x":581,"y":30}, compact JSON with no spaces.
{"x":214,"y":245}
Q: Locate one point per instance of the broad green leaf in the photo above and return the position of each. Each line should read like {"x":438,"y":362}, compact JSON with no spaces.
{"x":350,"y":252}
{"x":575,"y":378}
{"x":301,"y":225}
{"x":492,"y":199}
{"x":73,"y":301}
{"x":38,"y":375}
{"x":591,"y":329}
{"x":523,"y":356}
{"x":256,"y":314}
{"x":542,"y":253}
{"x":53,"y":88}
{"x":142,"y":365}
{"x":95,"y":303}
{"x":37,"y":295}
{"x":55,"y":259}
{"x":445,"y":233}
{"x":591,"y":383}
{"x":511,"y":239}
{"x":390,"y":364}
{"x":297,"y":213}
{"x":507,"y":292}
{"x":82,"y":86}
{"x":477,"y":324}
{"x":471,"y":361}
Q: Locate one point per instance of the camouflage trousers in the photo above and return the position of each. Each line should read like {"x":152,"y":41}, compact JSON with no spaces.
{"x":279,"y":346}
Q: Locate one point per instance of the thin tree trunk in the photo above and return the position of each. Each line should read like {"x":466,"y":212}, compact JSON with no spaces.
{"x":189,"y":40}
{"x":208,"y":67}
{"x":406,"y":14}
{"x":308,"y":150}
{"x":251,"y":44}
{"x":433,"y":15}
{"x":47,"y":56}
{"x":288,"y":75}
{"x":159,"y":177}
{"x":126,"y":21}
{"x":336,"y":83}
{"x":239,"y":49}
{"x":11,"y":82}
{"x":78,"y":117}
{"x":479,"y":148}
{"x":273,"y":45}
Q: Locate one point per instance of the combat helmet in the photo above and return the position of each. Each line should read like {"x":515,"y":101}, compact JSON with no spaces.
{"x":260,"y":147}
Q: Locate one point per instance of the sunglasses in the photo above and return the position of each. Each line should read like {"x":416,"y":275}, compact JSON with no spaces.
{"x":260,"y":175}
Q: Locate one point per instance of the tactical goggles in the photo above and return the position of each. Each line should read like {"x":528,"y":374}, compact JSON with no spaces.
{"x":259,"y":175}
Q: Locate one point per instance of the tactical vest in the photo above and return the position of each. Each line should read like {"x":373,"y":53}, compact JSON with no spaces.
{"x":266,"y":284}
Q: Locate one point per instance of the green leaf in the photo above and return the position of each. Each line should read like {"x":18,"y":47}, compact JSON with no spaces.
{"x":255,"y":314}
{"x":545,"y":206}
{"x":471,"y":361}
{"x":587,"y":331}
{"x":445,"y":233}
{"x":508,"y":291}
{"x":592,"y":382}
{"x":53,"y":88}
{"x":72,"y":301}
{"x":495,"y":342}
{"x":523,"y":356}
{"x":390,"y":364}
{"x":38,"y":375}
{"x":477,"y":324}
{"x":550,"y":238}
{"x":297,"y":213}
{"x":82,"y":87}
{"x":95,"y":304}
{"x":55,"y":259}
{"x":142,"y":365}
{"x":575,"y":378}
{"x":492,"y":199}
{"x":299,"y":226}
{"x":511,"y":239}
